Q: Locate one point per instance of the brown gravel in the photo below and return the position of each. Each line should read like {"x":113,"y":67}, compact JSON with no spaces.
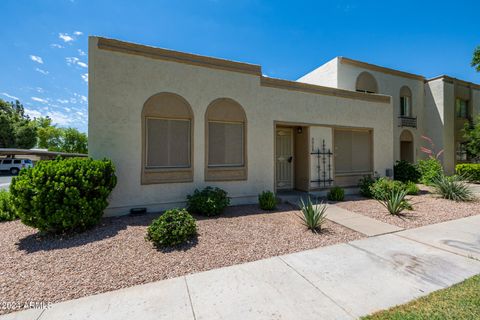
{"x":428,"y":208}
{"x":115,"y":254}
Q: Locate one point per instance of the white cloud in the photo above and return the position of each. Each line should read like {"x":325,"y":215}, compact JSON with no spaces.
{"x":33,"y":113}
{"x":84,"y":99}
{"x":56,"y":45}
{"x":39,"y":90}
{"x":62,"y":101}
{"x":65,"y":37}
{"x":9,"y":96}
{"x":59,"y":118}
{"x":82,"y":64}
{"x":79,"y":113}
{"x":41,"y":71}
{"x":81,"y":52}
{"x":72,"y":60}
{"x":39,"y":100}
{"x":36,"y":59}
{"x":85,"y":77}
{"x":78,"y":33}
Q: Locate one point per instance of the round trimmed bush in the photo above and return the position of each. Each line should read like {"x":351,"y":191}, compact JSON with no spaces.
{"x":208,"y":202}
{"x":7,"y":211}
{"x":267,"y":200}
{"x":172,"y":228}
{"x":63,"y":195}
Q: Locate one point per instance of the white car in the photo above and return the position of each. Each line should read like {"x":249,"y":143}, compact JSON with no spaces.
{"x":14,"y":165}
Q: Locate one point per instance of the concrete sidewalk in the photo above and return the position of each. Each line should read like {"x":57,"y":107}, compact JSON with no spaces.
{"x":343,"y":281}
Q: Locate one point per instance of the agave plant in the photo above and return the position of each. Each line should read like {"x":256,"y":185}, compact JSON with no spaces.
{"x":452,"y":188}
{"x":313,"y":215}
{"x":395,"y":201}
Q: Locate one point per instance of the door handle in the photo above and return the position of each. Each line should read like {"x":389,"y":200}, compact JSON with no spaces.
{"x":290,"y":159}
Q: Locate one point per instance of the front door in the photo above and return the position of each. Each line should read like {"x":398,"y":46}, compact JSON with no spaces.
{"x":284,"y":158}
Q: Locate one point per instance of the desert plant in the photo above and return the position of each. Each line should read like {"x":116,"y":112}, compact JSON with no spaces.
{"x":429,"y":169}
{"x":411,"y":188}
{"x":395,"y":201}
{"x":469,"y":171}
{"x":452,"y":188}
{"x":63,"y":195}
{"x":208,"y":202}
{"x":7,"y":211}
{"x":404,"y":171}
{"x":267,"y":200}
{"x":313,"y":216}
{"x":336,"y":194}
{"x":364,"y":184}
{"x":173,"y":227}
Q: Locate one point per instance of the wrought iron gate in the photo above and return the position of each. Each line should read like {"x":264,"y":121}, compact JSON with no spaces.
{"x":324,"y":165}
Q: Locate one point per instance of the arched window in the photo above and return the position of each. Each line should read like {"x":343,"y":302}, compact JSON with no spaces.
{"x":405,"y":102}
{"x":226,"y":148}
{"x":366,"y":83}
{"x":167,"y":139}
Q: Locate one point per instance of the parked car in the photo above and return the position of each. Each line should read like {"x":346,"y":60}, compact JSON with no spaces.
{"x":14,"y":165}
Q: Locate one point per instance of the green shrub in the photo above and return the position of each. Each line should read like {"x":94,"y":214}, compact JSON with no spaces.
{"x":313,"y":216}
{"x":364,"y":184}
{"x":411,"y":188}
{"x":267,"y":200}
{"x":7,"y":211}
{"x":405,"y":171}
{"x":452,"y":188}
{"x":336,"y":194}
{"x":173,"y":227}
{"x":63,"y":195}
{"x":395,"y":201}
{"x":469,"y":171}
{"x":383,"y":187}
{"x":209,"y":202}
{"x":429,"y":169}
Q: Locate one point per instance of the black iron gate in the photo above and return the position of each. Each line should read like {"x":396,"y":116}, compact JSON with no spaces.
{"x":324,"y":165}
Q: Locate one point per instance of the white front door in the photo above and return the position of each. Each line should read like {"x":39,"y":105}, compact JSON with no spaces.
{"x":284,"y":158}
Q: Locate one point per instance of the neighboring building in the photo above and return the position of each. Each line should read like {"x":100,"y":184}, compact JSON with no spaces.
{"x":173,"y":122}
{"x":436,"y":108}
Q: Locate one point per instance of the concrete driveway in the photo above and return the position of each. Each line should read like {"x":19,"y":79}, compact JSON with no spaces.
{"x":5,"y":181}
{"x":343,"y":281}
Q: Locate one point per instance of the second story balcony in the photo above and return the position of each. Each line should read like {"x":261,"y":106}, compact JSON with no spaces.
{"x":404,"y":121}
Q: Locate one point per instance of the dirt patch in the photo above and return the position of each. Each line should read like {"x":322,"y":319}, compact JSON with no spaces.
{"x":115,"y":255}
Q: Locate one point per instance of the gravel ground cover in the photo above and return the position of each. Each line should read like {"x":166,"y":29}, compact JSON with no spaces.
{"x":428,"y":208}
{"x":115,"y":254}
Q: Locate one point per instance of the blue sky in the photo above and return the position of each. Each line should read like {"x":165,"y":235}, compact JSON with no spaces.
{"x":43,"y":59}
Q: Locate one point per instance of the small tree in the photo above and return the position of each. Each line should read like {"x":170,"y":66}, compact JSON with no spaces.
{"x":471,"y":133}
{"x":476,"y":59}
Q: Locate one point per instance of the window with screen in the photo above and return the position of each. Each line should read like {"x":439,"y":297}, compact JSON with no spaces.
{"x":353,"y":151}
{"x":167,"y":140}
{"x":226,"y":140}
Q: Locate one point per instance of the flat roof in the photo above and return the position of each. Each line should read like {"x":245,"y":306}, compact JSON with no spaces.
{"x":233,"y":66}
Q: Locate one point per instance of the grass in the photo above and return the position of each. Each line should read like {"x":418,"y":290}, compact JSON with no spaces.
{"x":459,"y":302}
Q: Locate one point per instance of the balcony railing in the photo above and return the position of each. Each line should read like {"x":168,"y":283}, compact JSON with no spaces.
{"x":404,"y":121}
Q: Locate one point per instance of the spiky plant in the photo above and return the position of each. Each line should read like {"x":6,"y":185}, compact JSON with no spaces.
{"x":395,"y":201}
{"x":313,"y":215}
{"x":452,"y":188}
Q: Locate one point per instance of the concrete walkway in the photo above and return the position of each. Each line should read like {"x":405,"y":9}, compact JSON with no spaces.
{"x":343,"y":281}
{"x":360,"y":223}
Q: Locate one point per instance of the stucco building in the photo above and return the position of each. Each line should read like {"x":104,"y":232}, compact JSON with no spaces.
{"x":172,"y":122}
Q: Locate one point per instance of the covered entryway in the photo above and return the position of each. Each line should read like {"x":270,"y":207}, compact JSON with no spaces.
{"x":284,"y":158}
{"x":406,"y":146}
{"x":291,"y":158}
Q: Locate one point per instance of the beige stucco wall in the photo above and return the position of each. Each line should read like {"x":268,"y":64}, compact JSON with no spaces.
{"x":390,"y":84}
{"x":120,"y":83}
{"x":325,"y":75}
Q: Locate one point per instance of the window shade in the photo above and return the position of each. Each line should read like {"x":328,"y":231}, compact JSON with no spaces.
{"x":353,"y":151}
{"x":168,"y":143}
{"x":225,"y":144}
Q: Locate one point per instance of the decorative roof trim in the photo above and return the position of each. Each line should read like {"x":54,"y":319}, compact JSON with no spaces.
{"x":374,"y":67}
